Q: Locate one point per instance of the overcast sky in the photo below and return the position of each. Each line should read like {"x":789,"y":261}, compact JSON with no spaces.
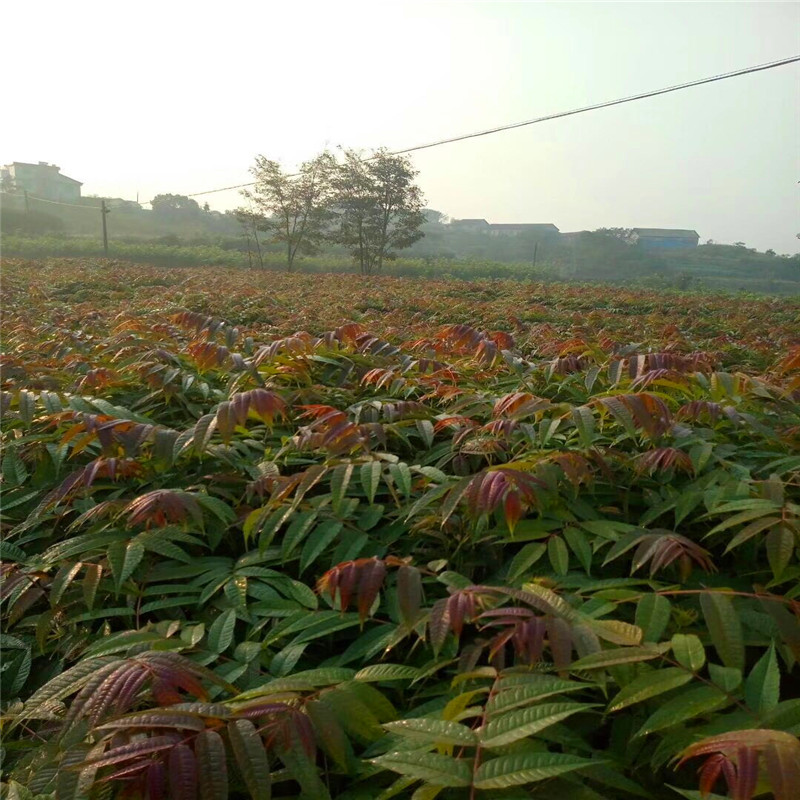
{"x":179,"y":97}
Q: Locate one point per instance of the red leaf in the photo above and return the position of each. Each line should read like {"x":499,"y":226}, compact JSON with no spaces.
{"x":746,"y":773}
{"x":369,"y":584}
{"x":182,"y":773}
{"x":156,"y":781}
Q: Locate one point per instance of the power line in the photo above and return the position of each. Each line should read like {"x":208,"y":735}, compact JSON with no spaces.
{"x":607,"y":104}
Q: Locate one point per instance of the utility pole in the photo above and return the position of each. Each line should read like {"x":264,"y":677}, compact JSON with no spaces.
{"x":535,"y":250}
{"x":103,"y":212}
{"x":27,"y":204}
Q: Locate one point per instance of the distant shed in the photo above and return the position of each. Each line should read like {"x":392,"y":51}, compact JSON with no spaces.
{"x":664,"y":238}
{"x":471,"y":224}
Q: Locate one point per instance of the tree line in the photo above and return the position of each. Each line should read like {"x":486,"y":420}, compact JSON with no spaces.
{"x":370,"y":206}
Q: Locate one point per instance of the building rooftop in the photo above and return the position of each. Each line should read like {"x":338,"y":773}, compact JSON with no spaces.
{"x":666,"y":233}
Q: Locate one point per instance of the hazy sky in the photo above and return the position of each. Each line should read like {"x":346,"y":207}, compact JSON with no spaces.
{"x":179,"y":97}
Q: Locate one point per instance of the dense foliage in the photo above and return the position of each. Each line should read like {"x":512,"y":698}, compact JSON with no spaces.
{"x":702,"y":270}
{"x":291,"y":536}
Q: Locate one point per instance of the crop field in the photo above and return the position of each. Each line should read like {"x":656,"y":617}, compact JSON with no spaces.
{"x":320,"y":536}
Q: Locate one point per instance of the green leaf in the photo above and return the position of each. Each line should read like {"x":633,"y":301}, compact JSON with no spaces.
{"x":431,"y":767}
{"x":433,"y":731}
{"x":762,"y":687}
{"x":65,"y":684}
{"x":619,"y":655}
{"x":296,"y":532}
{"x":652,"y":616}
{"x":219,"y":508}
{"x":16,"y":668}
{"x":429,"y":497}
{"x":583,"y":419}
{"x":220,"y":634}
{"x":579,"y":544}
{"x":251,"y":758}
{"x":340,"y":479}
{"x":202,"y":431}
{"x":650,"y":684}
{"x":370,"y":478}
{"x":780,"y":545}
{"x":426,"y":432}
{"x":401,"y":475}
{"x":323,"y":535}
{"x":386,"y":672}
{"x":370,"y":517}
{"x":724,"y":628}
{"x":688,"y":501}
{"x":454,"y":497}
{"x":377,"y":702}
{"x":751,"y":530}
{"x":263,"y":523}
{"x":624,"y":543}
{"x":13,"y":467}
{"x":330,"y":733}
{"x":727,"y":678}
{"x":688,"y":651}
{"x":354,"y":715}
{"x":236,"y":590}
{"x":62,"y":580}
{"x":94,"y":572}
{"x":522,"y":768}
{"x":534,"y":687}
{"x":302,"y":768}
{"x":123,"y":558}
{"x":409,"y":594}
{"x":524,"y":560}
{"x":558,"y":554}
{"x":523,"y":722}
{"x":688,"y":705}
{"x":427,"y":792}
{"x":751,"y":509}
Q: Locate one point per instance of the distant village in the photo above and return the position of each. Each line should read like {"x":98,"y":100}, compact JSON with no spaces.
{"x":45,"y":182}
{"x":652,"y":238}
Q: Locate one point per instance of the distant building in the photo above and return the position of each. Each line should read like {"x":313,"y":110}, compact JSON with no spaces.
{"x":505,"y":229}
{"x":471,"y":225}
{"x":41,"y":180}
{"x":572,"y":236}
{"x":664,"y":238}
{"x":515,"y":228}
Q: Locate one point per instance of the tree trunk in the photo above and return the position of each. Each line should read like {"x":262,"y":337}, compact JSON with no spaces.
{"x":361,"y":251}
{"x":258,"y":246}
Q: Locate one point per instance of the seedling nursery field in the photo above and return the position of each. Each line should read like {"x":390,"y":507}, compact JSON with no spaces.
{"x":278,"y":536}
